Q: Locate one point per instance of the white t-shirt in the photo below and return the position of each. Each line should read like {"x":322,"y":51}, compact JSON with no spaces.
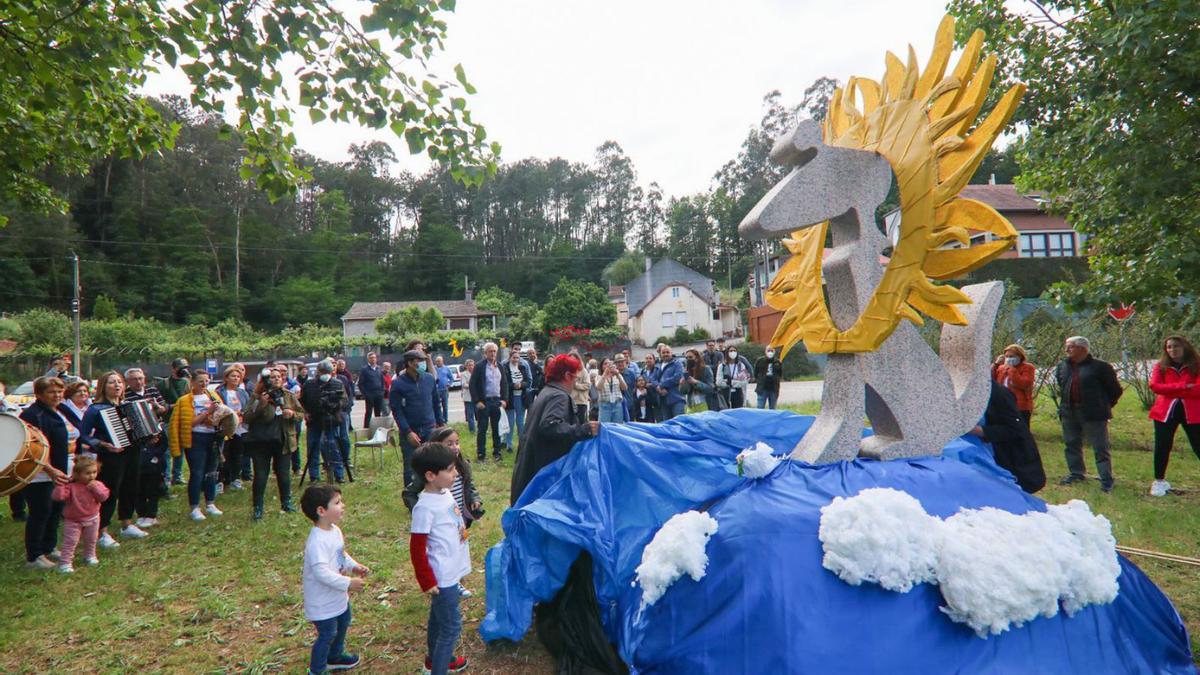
{"x":200,"y":403}
{"x":436,"y":515}
{"x":72,"y":437}
{"x":326,"y":588}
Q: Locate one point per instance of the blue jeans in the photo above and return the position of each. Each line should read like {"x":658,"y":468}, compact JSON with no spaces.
{"x":323,"y":445}
{"x":767,"y":399}
{"x":469,"y":413}
{"x":407,"y":449}
{"x":516,"y":419}
{"x":489,"y":415}
{"x":173,"y":470}
{"x":331,"y":641}
{"x":343,"y":439}
{"x":445,"y":625}
{"x":203,"y":459}
{"x":612,"y":413}
{"x":672,"y":410}
{"x":443,"y":415}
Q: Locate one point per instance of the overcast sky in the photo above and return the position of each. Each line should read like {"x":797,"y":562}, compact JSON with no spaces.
{"x":676,"y":83}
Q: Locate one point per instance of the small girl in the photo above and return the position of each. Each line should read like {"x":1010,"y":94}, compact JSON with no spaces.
{"x":83,"y":497}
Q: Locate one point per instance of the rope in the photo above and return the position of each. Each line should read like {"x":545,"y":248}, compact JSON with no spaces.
{"x":1170,"y":557}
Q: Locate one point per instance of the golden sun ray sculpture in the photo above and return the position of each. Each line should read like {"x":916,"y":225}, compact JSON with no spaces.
{"x":919,"y":122}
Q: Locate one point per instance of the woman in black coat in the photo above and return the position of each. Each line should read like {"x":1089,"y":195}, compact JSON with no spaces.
{"x":41,"y":527}
{"x":1012,"y":443}
{"x":553,"y":426}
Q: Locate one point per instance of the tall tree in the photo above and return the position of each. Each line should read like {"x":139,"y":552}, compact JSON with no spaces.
{"x":69,"y":73}
{"x":1113,"y":136}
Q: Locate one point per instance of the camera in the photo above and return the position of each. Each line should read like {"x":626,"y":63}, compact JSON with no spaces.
{"x":276,"y":397}
{"x":478,"y":513}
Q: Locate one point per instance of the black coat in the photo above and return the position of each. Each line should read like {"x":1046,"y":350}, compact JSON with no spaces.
{"x":551,"y":430}
{"x":477,"y":383}
{"x":48,"y":421}
{"x":1099,"y":388}
{"x":1012,"y":443}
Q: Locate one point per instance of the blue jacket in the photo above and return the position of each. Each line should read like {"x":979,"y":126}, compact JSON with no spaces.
{"x":443,"y":377}
{"x":370,"y":380}
{"x":55,"y":429}
{"x":414,"y":403}
{"x":92,"y":430}
{"x":346,"y":380}
{"x":667,"y":376}
{"x":630,"y":375}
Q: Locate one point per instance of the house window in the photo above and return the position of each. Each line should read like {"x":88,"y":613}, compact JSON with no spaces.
{"x":681,"y":319}
{"x":716,"y":314}
{"x":1047,"y":245}
{"x":674,"y":291}
{"x":459,"y":324}
{"x":668,"y":320}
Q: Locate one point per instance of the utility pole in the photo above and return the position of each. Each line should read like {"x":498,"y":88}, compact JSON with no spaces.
{"x":75,"y":313}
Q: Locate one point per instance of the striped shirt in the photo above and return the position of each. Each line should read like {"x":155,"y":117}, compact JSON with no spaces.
{"x":457,"y":491}
{"x":610,"y":390}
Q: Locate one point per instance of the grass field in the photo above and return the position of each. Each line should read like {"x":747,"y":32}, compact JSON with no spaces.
{"x":224,"y":595}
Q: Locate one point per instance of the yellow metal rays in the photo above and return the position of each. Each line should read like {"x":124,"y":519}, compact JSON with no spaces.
{"x":918,"y":122}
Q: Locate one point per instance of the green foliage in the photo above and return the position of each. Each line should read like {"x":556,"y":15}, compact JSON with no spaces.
{"x":104,"y":308}
{"x":608,"y":334}
{"x":1030,"y":277}
{"x":699,"y":333}
{"x":681,"y":336}
{"x":498,"y":300}
{"x":9,"y":329}
{"x":400,"y":324}
{"x":526,"y":324}
{"x":71,"y":73}
{"x":1112,"y":132}
{"x":44,"y":327}
{"x":580,"y":304}
{"x":625,"y":269}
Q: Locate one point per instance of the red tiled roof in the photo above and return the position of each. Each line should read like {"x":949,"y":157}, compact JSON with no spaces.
{"x":1002,"y":197}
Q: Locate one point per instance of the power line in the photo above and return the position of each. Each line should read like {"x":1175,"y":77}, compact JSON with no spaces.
{"x":276,"y":249}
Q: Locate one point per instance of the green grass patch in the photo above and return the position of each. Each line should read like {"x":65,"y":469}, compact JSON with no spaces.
{"x":224,"y":595}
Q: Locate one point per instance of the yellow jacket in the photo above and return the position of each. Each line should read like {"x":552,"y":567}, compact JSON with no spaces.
{"x":179,"y":429}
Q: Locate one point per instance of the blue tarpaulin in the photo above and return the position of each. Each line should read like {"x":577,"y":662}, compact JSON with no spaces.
{"x":766,"y":601}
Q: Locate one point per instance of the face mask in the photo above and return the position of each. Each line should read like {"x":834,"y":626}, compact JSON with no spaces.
{"x":325,"y":377}
{"x":1012,"y":360}
{"x":422,"y":366}
{"x":733,"y":355}
{"x":690,"y":360}
{"x":770,"y":353}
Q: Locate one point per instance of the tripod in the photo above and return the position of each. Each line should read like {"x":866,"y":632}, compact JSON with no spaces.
{"x":326,"y":438}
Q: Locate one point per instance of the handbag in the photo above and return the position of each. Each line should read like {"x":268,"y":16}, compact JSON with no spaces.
{"x":503,"y":426}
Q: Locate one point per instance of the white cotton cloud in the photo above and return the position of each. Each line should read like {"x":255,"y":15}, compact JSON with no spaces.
{"x":676,"y":549}
{"x":995,"y":569}
{"x":758,"y":461}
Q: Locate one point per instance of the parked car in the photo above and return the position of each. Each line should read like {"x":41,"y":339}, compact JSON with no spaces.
{"x":20,"y":397}
{"x":455,"y":376}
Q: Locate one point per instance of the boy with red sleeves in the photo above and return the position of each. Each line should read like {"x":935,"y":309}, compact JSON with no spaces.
{"x":440,"y":555}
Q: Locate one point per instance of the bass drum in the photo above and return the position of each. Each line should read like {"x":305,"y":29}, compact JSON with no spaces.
{"x":24,"y":452}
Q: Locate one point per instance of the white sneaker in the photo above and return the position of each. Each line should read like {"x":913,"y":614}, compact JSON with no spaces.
{"x":1159,"y":488}
{"x":40,"y":563}
{"x":212,"y":510}
{"x":92,"y":561}
{"x":147,"y":522}
{"x":54,"y":555}
{"x":236,"y":485}
{"x":107,"y":541}
{"x":66,"y":569}
{"x":197,"y":515}
{"x":133,"y":531}
{"x":463,"y":592}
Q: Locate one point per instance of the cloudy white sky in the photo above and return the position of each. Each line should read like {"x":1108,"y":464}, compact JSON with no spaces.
{"x":676,"y":83}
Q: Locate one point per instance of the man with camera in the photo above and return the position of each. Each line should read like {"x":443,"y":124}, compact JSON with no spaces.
{"x":414,"y":400}
{"x":324,"y":400}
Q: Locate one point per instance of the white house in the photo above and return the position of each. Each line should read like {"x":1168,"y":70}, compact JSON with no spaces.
{"x":668,"y":296}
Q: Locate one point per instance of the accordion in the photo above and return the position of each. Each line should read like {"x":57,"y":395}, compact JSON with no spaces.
{"x":130,"y":422}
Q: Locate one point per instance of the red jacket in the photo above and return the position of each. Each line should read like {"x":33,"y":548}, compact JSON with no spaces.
{"x":1171,"y":384}
{"x":1020,"y":379}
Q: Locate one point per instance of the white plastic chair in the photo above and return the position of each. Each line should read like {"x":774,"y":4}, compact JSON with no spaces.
{"x":377,"y":443}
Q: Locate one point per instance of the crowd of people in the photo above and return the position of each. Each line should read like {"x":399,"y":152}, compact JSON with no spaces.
{"x":247,"y":428}
{"x":1088,"y":390}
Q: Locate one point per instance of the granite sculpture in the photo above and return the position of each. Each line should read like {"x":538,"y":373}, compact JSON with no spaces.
{"x":912,"y":125}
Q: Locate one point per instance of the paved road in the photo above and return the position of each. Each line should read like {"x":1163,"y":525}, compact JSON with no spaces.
{"x":789,"y":392}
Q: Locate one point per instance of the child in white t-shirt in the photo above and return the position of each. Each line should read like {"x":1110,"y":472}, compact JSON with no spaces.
{"x":440,"y":554}
{"x":326,"y":586}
